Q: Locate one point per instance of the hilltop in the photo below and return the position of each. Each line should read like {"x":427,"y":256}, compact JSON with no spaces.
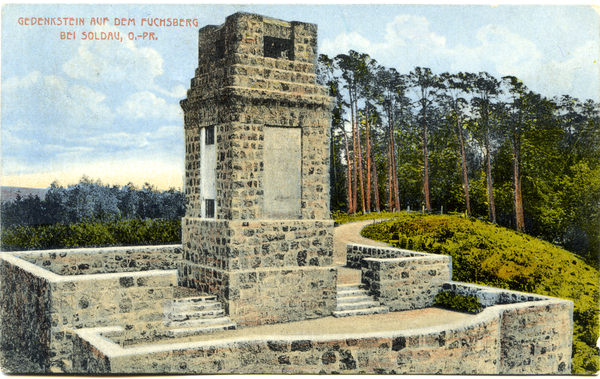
{"x":484,"y":253}
{"x":10,"y":193}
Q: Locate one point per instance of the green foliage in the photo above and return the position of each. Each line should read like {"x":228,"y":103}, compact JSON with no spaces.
{"x":458,"y":302}
{"x":484,"y":253}
{"x":91,"y":234}
{"x":89,"y":200}
{"x":342,"y":217}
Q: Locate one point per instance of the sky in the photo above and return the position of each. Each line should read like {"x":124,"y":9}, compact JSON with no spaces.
{"x":109,"y":109}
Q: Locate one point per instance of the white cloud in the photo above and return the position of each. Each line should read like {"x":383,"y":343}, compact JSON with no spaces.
{"x":178,"y":91}
{"x":49,"y":104}
{"x":121,"y":140}
{"x":412,"y":30}
{"x":15,"y":83}
{"x":147,"y":105}
{"x":344,"y":42}
{"x":409,"y":42}
{"x":113,"y":62}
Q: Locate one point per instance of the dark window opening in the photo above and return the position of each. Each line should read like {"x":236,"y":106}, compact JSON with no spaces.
{"x":219,"y":48}
{"x":209,"y":138}
{"x":210,"y":208}
{"x":279,"y":48}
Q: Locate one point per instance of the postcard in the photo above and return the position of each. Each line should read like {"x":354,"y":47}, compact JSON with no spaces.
{"x":300,"y":189}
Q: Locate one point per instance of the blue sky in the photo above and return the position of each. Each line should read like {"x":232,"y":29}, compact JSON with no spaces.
{"x":110,"y":109}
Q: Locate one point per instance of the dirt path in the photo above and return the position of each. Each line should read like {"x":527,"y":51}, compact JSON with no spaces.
{"x":388,"y":322}
{"x":350,"y":233}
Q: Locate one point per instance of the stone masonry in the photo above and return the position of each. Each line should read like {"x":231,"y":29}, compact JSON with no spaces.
{"x":257,"y":231}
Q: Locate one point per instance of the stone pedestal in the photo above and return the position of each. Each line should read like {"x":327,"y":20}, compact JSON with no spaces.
{"x":257,"y":231}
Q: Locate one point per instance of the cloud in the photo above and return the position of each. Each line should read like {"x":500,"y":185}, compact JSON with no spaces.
{"x":15,"y":83}
{"x":115,"y":62}
{"x":178,"y":91}
{"x":147,"y":105}
{"x":49,"y":104}
{"x":409,"y":42}
{"x":344,"y":42}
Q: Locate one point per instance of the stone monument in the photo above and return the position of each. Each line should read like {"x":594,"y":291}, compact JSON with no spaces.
{"x":257,"y":231}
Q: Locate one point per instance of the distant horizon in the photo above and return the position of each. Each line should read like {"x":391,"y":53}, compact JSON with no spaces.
{"x":31,"y":180}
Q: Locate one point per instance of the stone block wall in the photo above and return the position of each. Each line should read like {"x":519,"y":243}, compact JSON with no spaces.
{"x":25,"y":314}
{"x":240,"y":91}
{"x":262,"y":271}
{"x":355,"y":254}
{"x":537,"y":338}
{"x":47,"y":306}
{"x":525,"y":338}
{"x":256,"y":74}
{"x":106,"y":260}
{"x":462,"y":349}
{"x":406,"y":283}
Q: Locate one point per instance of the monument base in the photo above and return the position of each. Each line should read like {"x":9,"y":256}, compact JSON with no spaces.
{"x":264,"y":271}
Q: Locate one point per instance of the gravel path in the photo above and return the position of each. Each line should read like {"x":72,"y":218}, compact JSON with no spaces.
{"x":350,"y":233}
{"x":388,"y":322}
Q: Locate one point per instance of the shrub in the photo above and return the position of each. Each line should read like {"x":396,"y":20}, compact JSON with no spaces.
{"x":91,"y":234}
{"x":458,"y":302}
{"x":484,"y":253}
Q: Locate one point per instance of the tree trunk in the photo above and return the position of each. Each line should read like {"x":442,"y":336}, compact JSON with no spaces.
{"x":360,"y":162}
{"x":518,"y":199}
{"x":392,"y":169}
{"x":349,"y":166}
{"x":368,"y":155}
{"x":395,"y":170}
{"x":463,"y":159}
{"x":491,"y":204}
{"x":425,"y":164}
{"x":376,"y":184}
{"x":389,"y":175}
{"x":354,"y":187}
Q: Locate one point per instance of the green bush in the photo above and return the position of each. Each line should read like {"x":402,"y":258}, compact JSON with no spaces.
{"x":91,"y":234}
{"x":458,"y":302}
{"x":484,"y":253}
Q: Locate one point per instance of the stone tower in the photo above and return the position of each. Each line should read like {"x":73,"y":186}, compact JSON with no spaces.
{"x":257,"y":231}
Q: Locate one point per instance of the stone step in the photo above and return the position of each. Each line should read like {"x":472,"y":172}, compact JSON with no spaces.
{"x":198,"y":323}
{"x":353,"y":299}
{"x":183,"y":316}
{"x":193,"y":306}
{"x":360,"y":312}
{"x":187,"y":332}
{"x":359,"y":305}
{"x":197,"y":299}
{"x":352,"y":292}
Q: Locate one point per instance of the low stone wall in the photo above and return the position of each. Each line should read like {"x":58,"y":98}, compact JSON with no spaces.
{"x":457,"y":349}
{"x":525,"y":338}
{"x":535,"y":339}
{"x":400,"y":279}
{"x":24,"y":314}
{"x":39,"y":307}
{"x":406,"y":283}
{"x":356,"y":253}
{"x":106,"y":260}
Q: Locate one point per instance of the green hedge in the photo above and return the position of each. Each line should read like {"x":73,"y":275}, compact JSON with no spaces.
{"x":92,"y":234}
{"x":484,"y":253}
{"x":458,"y":302}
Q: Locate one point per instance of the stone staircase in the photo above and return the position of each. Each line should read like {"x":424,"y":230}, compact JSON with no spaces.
{"x":195,"y":315}
{"x":353,"y":300}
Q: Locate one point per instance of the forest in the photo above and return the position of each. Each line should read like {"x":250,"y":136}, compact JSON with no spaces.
{"x":90,"y":213}
{"x":468,"y":143}
{"x":464,"y":142}
{"x":90,"y":200}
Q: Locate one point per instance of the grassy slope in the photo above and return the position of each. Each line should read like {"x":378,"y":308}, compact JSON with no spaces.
{"x":485,"y":253}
